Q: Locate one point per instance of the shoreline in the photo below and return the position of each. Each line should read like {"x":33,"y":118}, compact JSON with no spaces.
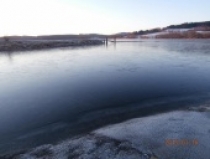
{"x":143,"y":138}
{"x":29,"y":45}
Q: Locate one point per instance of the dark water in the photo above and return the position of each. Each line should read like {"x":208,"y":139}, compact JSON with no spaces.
{"x":46,"y":96}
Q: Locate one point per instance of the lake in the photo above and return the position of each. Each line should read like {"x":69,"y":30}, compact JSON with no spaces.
{"x":49,"y":95}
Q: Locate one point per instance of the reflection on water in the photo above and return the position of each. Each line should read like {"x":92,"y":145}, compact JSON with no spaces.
{"x":48,"y":95}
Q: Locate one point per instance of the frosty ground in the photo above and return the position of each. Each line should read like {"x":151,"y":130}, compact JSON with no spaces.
{"x":139,"y":138}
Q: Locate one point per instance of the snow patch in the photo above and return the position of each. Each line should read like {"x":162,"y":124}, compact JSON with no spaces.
{"x":88,"y":147}
{"x":140,"y":138}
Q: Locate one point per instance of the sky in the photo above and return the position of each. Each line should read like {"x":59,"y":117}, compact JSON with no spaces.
{"x":44,"y":17}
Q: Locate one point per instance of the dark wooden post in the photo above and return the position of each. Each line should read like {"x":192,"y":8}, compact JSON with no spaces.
{"x":106,"y":40}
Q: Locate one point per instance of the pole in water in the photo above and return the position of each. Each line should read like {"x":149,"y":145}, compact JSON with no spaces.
{"x":106,"y":40}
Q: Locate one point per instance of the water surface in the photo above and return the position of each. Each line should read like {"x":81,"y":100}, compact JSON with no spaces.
{"x":46,"y":96}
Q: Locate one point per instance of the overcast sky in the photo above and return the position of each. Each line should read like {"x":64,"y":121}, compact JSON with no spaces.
{"x":39,"y":17}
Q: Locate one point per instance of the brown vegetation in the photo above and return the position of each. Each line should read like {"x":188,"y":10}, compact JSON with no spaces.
{"x":6,"y":38}
{"x":38,"y":45}
{"x":182,"y":35}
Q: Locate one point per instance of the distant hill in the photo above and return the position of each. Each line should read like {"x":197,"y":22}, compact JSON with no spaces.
{"x":143,"y":32}
{"x":190,"y":25}
{"x":194,"y":30}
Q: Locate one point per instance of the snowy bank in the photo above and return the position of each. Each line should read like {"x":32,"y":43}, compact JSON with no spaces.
{"x":183,"y":134}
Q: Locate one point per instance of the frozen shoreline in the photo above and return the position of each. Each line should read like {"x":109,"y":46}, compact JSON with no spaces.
{"x":142,"y":138}
{"x":27,"y":45}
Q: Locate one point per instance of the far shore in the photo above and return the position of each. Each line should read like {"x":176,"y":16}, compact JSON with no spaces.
{"x":27,"y":43}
